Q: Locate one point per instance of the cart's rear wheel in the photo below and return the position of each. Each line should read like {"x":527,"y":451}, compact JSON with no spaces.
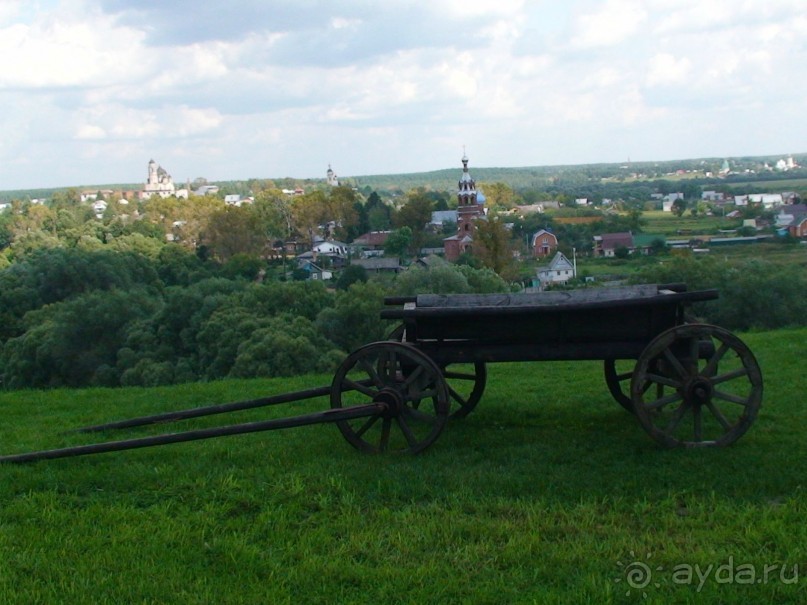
{"x":698,"y":400}
{"x":408,"y":382}
{"x":466,"y":381}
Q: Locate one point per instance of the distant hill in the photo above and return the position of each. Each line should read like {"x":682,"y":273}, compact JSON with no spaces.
{"x":528,"y":177}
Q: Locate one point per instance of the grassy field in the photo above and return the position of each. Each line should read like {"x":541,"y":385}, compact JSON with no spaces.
{"x":548,"y":493}
{"x":668,"y":224}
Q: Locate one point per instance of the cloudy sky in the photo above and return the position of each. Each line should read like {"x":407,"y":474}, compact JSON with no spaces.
{"x":91,"y":90}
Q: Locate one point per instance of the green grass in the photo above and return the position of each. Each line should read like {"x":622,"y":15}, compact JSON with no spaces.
{"x":668,"y":224}
{"x":547,"y":493}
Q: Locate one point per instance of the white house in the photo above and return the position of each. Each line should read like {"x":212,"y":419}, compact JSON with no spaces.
{"x":559,"y":271}
{"x":330,"y":248}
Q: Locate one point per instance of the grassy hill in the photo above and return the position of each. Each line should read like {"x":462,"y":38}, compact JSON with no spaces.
{"x":548,"y":493}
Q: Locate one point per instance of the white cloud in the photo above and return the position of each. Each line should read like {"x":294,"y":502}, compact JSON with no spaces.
{"x":94,"y":86}
{"x":614,"y":23}
{"x":665,"y":69}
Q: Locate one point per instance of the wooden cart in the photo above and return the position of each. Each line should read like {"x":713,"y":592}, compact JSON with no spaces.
{"x":688,"y":384}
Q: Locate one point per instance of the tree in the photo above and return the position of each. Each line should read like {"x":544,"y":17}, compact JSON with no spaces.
{"x":492,"y":246}
{"x":499,"y":195}
{"x":379,"y":215}
{"x":416,"y":213}
{"x":355,"y":318}
{"x":232,"y":231}
{"x":398,"y":242}
{"x":351,"y":275}
{"x":679,"y":206}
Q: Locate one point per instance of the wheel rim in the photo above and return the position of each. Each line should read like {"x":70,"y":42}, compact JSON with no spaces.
{"x":707,"y":387}
{"x":409,"y":384}
{"x":617,"y":377}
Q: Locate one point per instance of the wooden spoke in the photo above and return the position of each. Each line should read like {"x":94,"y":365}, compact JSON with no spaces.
{"x":718,"y":415}
{"x":411,"y":389}
{"x":360,"y":386}
{"x":662,"y":401}
{"x":663,"y":381}
{"x":732,"y":398}
{"x":711,"y":367}
{"x":730,"y":376}
{"x":696,"y":359}
{"x":407,"y":432}
{"x":370,"y":422}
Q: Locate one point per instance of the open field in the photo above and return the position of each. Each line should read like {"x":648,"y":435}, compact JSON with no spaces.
{"x":666,"y":223}
{"x":548,"y":493}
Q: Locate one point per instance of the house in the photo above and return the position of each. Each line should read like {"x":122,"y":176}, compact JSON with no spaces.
{"x":607,"y":244}
{"x":379,"y":264}
{"x":99,"y":207}
{"x":543,"y":243}
{"x":330,"y":248}
{"x":232,"y":199}
{"x":559,"y":271}
{"x":798,"y":229}
{"x":538,"y":208}
{"x":793,"y":217}
{"x":315,"y":272}
{"x":646,"y":243}
{"x":371,"y":243}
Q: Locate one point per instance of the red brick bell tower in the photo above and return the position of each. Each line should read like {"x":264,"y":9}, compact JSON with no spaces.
{"x":468,"y":211}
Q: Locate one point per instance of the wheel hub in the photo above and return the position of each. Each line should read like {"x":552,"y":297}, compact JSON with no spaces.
{"x":391,"y":399}
{"x":699,"y":390}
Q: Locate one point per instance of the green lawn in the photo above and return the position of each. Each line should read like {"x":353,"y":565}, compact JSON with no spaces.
{"x":548,"y":493}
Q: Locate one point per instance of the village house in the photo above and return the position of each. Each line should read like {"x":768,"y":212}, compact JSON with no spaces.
{"x":607,"y":244}
{"x":371,"y":243}
{"x":543,"y":243}
{"x":559,"y":271}
{"x":378,"y":264}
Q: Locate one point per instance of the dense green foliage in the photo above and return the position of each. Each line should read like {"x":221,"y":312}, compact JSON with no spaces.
{"x":73,"y":318}
{"x":753,"y":294}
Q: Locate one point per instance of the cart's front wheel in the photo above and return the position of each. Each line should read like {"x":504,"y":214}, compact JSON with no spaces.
{"x":617,"y":377}
{"x":708,"y":387}
{"x":410,"y":385}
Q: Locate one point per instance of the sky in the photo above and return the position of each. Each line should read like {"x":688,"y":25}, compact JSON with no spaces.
{"x":91,"y":90}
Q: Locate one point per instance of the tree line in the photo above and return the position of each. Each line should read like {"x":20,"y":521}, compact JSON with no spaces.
{"x":74,"y":318}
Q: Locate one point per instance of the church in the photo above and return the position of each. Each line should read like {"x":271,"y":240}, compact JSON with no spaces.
{"x":470,"y":208}
{"x":160,"y":183}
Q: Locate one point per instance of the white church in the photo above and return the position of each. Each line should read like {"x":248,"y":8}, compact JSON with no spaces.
{"x":160,"y":183}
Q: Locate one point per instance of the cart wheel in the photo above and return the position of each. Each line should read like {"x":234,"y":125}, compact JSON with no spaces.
{"x":618,"y":381}
{"x":618,"y":374}
{"x":466,"y":381}
{"x":405,"y":379}
{"x":699,"y":399}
